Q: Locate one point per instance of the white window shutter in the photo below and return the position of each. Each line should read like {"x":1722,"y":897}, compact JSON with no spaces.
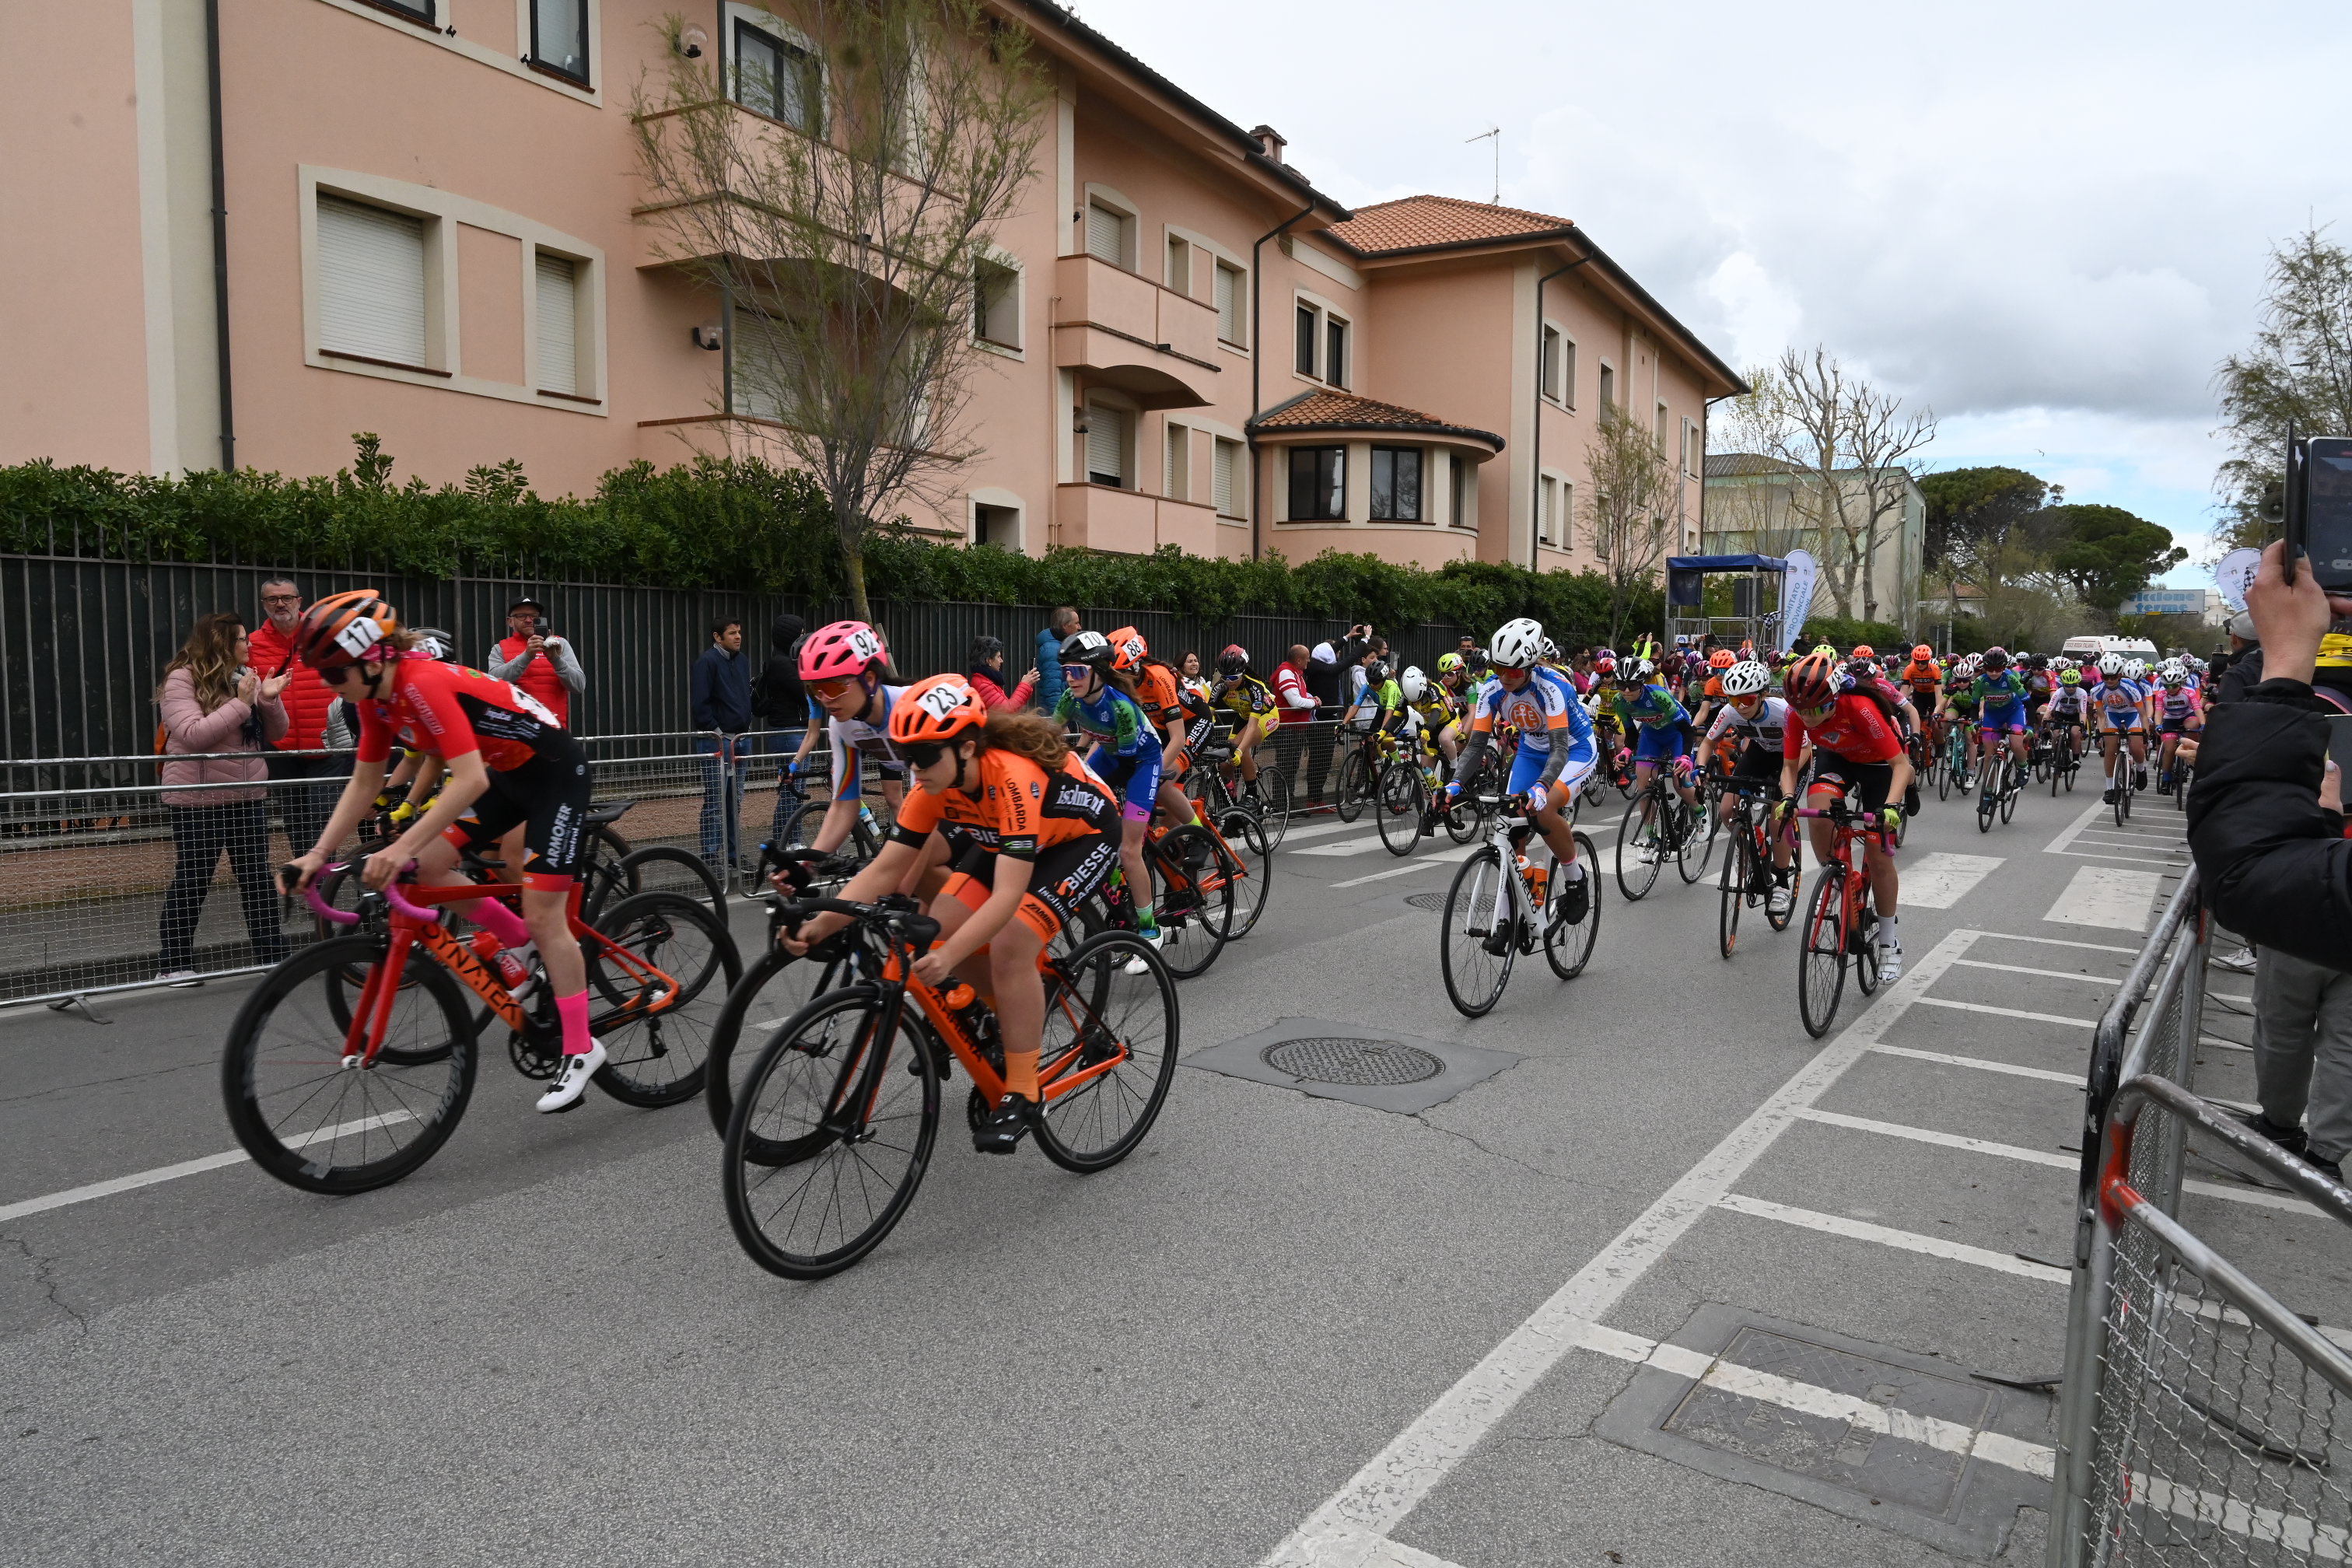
{"x":1106,"y":235}
{"x":1106,"y":441}
{"x":371,"y":282}
{"x":1222,"y":478}
{"x":766,"y":364}
{"x":559,"y":323}
{"x":1229,"y":308}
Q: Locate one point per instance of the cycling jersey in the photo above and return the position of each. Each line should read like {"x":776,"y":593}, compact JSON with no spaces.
{"x":1652,"y":708}
{"x":1768,"y":729}
{"x":1126,"y":747}
{"x":1246,"y":698}
{"x":1545,"y":707}
{"x":1998,"y":690}
{"x":851,"y":738}
{"x":2119,"y":703}
{"x":1922,"y":679}
{"x":1019,"y":810}
{"x":454,"y":711}
{"x":2070,"y":702}
{"x":1853,"y":729}
{"x":2179,"y":703}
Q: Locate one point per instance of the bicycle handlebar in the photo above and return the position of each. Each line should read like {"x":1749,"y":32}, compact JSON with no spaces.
{"x":918,"y":929}
{"x":390,"y":894}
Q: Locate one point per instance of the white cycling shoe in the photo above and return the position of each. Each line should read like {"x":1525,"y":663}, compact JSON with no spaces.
{"x":1890,"y":962}
{"x":571,"y":1078}
{"x":1157,"y":938}
{"x":1779,"y":901}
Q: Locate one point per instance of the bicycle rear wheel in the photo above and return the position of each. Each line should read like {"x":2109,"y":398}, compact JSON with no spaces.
{"x":1120,"y":1027}
{"x":1569,"y":948}
{"x":1355,"y":785}
{"x":1732,"y":890}
{"x":1193,"y":905}
{"x":1245,"y":863}
{"x":658,"y":1045}
{"x":1401,"y":808}
{"x":1635,"y":876}
{"x":1820,"y":958}
{"x":316,"y":1124}
{"x":1271,"y":791}
{"x":831,"y":1135}
{"x":1475,"y":976}
{"x":1690,"y":866}
{"x":774,"y":986}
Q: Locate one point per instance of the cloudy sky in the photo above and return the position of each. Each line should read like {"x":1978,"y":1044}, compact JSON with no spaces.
{"x":2048,"y":222}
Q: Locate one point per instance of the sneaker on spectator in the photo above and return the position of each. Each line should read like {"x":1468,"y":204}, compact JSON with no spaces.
{"x":2238,"y":962}
{"x":2290,"y":1139}
{"x":181,"y":978}
{"x":2331,"y":1169}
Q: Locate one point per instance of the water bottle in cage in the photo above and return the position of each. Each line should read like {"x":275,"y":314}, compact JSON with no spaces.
{"x":979,"y":1020}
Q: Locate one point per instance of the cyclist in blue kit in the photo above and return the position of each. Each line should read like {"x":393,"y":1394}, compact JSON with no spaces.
{"x":1557,"y":752}
{"x":1100,"y":703}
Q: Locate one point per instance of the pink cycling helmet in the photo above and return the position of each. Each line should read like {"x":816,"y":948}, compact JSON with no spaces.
{"x":843,"y":649}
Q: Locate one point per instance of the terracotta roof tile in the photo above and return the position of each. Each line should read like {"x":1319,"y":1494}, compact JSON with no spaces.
{"x":1346,"y":411}
{"x":1416,"y":221}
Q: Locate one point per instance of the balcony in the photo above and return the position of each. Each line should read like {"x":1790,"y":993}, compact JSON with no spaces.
{"x":1127,"y":332}
{"x":1129,"y":523}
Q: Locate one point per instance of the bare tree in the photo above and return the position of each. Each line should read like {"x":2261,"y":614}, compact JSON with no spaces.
{"x":1631,"y":495}
{"x":842,"y":200}
{"x":2298,"y":372}
{"x":1851,"y":449}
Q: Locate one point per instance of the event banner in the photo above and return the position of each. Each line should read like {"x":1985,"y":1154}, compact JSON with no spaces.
{"x":1797,"y":595}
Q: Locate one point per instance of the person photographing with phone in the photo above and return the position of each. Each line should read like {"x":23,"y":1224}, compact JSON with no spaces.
{"x":545,"y":665}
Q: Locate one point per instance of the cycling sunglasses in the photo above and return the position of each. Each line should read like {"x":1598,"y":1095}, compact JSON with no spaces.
{"x":835,"y":690}
{"x":920,"y":753}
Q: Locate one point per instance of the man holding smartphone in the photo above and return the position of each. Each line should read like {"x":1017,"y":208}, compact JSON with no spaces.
{"x":539,"y":661}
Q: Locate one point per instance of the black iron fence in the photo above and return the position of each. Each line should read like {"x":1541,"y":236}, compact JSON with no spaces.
{"x":83,"y":642}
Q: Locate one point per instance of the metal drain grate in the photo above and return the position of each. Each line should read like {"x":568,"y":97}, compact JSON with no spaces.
{"x":1325,"y":1058}
{"x":1426,"y":901}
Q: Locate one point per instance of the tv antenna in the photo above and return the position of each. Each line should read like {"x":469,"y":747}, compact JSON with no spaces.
{"x":1494,"y":134}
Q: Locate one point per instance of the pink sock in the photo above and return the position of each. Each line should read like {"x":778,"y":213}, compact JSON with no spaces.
{"x":498,"y":920}
{"x":574,"y":1011}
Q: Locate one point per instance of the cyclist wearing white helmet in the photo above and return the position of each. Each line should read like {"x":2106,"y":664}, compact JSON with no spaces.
{"x":1758,"y":723}
{"x":1557,"y":752}
{"x":2122,"y":704}
{"x":2181,"y":713}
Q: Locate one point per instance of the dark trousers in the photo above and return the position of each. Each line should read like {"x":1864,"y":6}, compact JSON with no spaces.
{"x":1293,"y":738}
{"x":784,"y":743}
{"x":199,"y":835}
{"x":305,"y":807}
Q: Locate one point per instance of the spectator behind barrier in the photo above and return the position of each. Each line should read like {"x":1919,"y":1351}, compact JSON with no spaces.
{"x":1059,"y":626}
{"x":544,"y":666}
{"x":309,"y":717}
{"x":722,"y":691}
{"x":985,"y":670}
{"x":213,"y":702}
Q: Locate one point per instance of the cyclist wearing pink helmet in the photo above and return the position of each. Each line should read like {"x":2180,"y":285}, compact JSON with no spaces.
{"x":842,"y":667}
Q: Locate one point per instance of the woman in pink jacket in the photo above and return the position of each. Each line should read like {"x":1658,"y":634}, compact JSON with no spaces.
{"x":212,"y":705}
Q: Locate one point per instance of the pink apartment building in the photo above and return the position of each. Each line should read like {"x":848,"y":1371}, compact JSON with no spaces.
{"x":240,"y":230}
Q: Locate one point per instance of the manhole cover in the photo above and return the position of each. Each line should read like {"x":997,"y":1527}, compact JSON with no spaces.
{"x":1427,"y":901}
{"x":1326,"y":1059}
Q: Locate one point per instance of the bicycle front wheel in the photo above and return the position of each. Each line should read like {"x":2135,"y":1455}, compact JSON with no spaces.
{"x":1112,"y":1037}
{"x":1691,"y":849}
{"x":1400,"y":809}
{"x":831,"y":1135}
{"x":1245,"y":864}
{"x":1193,"y":903}
{"x":1569,"y":948}
{"x":1637,"y":851}
{"x":1355,"y":785}
{"x":774,"y":986}
{"x":1473,"y":953}
{"x":1272,"y":790}
{"x":311,"y":1121}
{"x":657,"y":1035}
{"x":1732,"y":891}
{"x":1820,"y":958}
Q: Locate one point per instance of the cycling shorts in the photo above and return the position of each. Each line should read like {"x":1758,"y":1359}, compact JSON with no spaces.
{"x":1063,"y":876}
{"x":1867,"y":781}
{"x":1196,"y":735}
{"x":2003,"y":716}
{"x":2177,"y":726}
{"x":1662,"y":744}
{"x":1528,"y":766}
{"x":548,"y":796}
{"x":2121,"y":720}
{"x":1759,"y":765}
{"x":1135,"y":780}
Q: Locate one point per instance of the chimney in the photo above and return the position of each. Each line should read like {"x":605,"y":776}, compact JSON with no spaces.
{"x":1270,"y":142}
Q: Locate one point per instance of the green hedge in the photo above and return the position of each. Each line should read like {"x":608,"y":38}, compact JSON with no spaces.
{"x":718,"y":522}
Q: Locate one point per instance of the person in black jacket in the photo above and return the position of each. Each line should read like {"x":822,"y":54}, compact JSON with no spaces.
{"x":781,"y":708}
{"x":720,"y":689}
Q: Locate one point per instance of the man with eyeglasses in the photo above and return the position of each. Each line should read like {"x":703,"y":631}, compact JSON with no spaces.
{"x":310,"y":710}
{"x":543,"y":664}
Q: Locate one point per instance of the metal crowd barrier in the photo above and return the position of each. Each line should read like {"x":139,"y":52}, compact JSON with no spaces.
{"x":2201,"y":1422}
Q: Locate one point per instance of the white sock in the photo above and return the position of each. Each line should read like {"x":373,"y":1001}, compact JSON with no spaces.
{"x":1575,"y":871}
{"x":1886,"y":933}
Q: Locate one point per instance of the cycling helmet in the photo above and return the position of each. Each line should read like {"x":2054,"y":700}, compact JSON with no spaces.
{"x":1091,"y":648}
{"x":1447,"y":663}
{"x":1746,"y":679}
{"x":1864,"y":650}
{"x":1923,"y":654}
{"x":1822,"y":647}
{"x":2173,"y":676}
{"x":2070,"y":676}
{"x":433,"y":643}
{"x":843,"y":649}
{"x":2111,"y":664}
{"x":1375,"y":673}
{"x":2135,"y":669}
{"x":1131,"y":647}
{"x":1517,"y":645}
{"x":936,"y":709}
{"x":1608,"y":653}
{"x":1233,"y":660}
{"x":1722,"y":659}
{"x":343,"y":628}
{"x":1415,"y":684}
{"x":1996,"y":659}
{"x":1604,"y":667}
{"x":1550,"y":651}
{"x":1811,"y":682}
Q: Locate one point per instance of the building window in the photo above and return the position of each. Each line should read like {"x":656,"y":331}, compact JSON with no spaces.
{"x":1231,"y":295}
{"x":1461,"y":477}
{"x":1396,"y":484}
{"x":1180,"y":266}
{"x":1608,"y":390}
{"x":773,"y":78}
{"x":1334,"y":351}
{"x":1555,"y":361}
{"x":1547,"y":509}
{"x":763,"y":365}
{"x":1229,"y":477}
{"x":372,"y":302}
{"x":1307,"y":324}
{"x":1690,"y":447}
{"x":422,"y":10}
{"x":1110,"y":235}
{"x":1322,"y":345}
{"x":1318,"y":484}
{"x":1176,"y":470}
{"x":1107,"y":445}
{"x":996,"y":304}
{"x":1662,"y":428}
{"x":997,"y":525}
{"x":558,"y":324}
{"x":559,"y":38}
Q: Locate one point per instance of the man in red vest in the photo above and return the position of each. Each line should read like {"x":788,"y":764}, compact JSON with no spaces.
{"x":309,"y":703}
{"x":537,"y":660}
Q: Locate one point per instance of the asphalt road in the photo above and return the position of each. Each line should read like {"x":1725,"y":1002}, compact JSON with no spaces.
{"x":1247,"y":1343}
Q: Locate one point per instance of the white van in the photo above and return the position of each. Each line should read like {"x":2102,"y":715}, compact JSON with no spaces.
{"x":2090,"y":648}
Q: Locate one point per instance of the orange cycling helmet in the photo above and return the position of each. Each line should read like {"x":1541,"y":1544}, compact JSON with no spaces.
{"x":1722,"y":659}
{"x":1864,"y":650}
{"x":935,"y":711}
{"x":343,"y":628}
{"x":1811,"y":682}
{"x":1923,"y":654}
{"x":1130,"y":648}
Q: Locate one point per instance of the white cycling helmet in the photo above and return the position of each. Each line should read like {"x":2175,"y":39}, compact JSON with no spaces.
{"x":2136,"y":669}
{"x":1517,"y":645}
{"x":1415,"y":684}
{"x":1746,"y":679}
{"x":2111,"y":664}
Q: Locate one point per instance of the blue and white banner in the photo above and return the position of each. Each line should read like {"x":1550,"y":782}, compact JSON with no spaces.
{"x":1797,"y":595}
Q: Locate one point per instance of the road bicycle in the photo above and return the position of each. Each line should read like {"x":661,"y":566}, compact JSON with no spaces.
{"x":1999,"y":795}
{"x":832,"y":1133}
{"x":1670,"y":833}
{"x":1359,"y":773}
{"x":2065,"y":760}
{"x":1265,"y":797}
{"x":1411,"y":802}
{"x":2125,"y":778}
{"x":1209,"y":886}
{"x":1841,"y":922}
{"x":335,"y":1088}
{"x":1953,"y":772}
{"x":1749,"y":875}
{"x":1491,"y":918}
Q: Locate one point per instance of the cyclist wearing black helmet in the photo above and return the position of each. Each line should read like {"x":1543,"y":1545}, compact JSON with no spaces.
{"x":1248,"y":705}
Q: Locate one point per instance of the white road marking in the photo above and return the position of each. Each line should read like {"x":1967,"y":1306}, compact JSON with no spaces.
{"x":1940,"y":881}
{"x":2009,"y":1012}
{"x":1986,"y":1064}
{"x":1378,"y":1497}
{"x":2047,"y":973}
{"x":107,"y":1189}
{"x":1319,"y":829}
{"x":1887,"y":1235}
{"x":2121,"y":859}
{"x":2104,"y":896}
{"x":1442,"y":857}
{"x":2056,"y":942}
{"x":2065,"y":839}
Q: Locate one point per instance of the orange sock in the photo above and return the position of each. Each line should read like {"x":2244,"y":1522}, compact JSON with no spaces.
{"x":1020,"y":1074}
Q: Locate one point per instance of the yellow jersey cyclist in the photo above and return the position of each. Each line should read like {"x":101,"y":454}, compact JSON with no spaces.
{"x":1433,"y":712}
{"x":1453,"y":678}
{"x":1755,"y":723}
{"x":1556,"y":754}
{"x":1248,"y":704}
{"x":1026,"y":833}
